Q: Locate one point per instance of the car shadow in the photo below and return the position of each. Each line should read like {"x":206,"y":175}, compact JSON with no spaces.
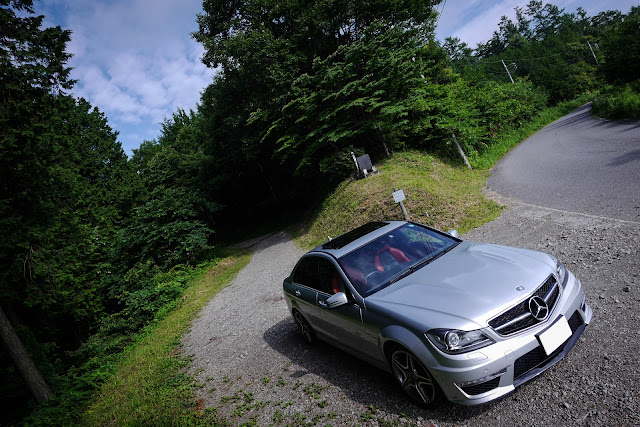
{"x":361,"y":382}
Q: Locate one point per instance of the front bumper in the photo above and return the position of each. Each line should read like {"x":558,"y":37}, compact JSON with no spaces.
{"x":491,"y":372}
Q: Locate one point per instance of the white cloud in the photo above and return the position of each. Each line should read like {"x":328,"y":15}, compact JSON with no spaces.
{"x":475,"y":21}
{"x":134,"y":60}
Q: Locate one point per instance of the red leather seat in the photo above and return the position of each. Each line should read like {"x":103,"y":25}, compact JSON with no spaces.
{"x":335,"y":286}
{"x":396,"y":253}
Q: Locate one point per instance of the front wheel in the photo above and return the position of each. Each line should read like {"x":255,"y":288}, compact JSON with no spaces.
{"x":413,"y":377}
{"x":304,"y":327}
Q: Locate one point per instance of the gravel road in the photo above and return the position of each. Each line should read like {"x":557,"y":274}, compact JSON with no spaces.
{"x":255,"y":368}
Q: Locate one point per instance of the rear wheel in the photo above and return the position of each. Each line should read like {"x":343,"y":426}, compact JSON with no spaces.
{"x":413,"y":377}
{"x":304,"y":327}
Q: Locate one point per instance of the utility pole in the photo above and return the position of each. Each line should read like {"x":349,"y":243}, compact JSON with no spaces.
{"x":508,"y":73}
{"x":592,"y":52}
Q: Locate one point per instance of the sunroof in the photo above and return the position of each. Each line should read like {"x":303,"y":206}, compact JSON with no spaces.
{"x":346,"y":238}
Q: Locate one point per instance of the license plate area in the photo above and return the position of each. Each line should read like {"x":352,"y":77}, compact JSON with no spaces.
{"x":555,"y":335}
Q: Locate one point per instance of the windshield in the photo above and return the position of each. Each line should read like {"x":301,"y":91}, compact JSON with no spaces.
{"x":393,"y":255}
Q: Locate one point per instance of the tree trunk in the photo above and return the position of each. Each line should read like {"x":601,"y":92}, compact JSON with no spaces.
{"x":36,"y":383}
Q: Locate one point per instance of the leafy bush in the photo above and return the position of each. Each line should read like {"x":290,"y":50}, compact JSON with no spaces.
{"x":151,"y":299}
{"x":477,"y":112}
{"x":618,"y":102}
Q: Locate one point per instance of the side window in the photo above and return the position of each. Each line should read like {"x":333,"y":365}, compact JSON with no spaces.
{"x":329,"y":281}
{"x":320,"y":274}
{"x":307,"y":272}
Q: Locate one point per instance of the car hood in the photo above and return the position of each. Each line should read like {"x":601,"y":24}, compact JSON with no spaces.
{"x":465,"y":287}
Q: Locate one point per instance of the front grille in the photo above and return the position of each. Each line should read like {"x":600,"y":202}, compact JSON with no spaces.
{"x":482,"y":387}
{"x":537,"y":356}
{"x":518,"y":317}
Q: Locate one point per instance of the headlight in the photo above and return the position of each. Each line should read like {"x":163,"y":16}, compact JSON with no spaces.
{"x":454,"y":341}
{"x":561,"y":272}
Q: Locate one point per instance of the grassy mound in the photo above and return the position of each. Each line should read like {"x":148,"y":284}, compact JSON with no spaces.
{"x":438,"y":195}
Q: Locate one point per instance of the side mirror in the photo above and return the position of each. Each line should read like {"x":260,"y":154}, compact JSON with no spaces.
{"x":337,"y":300}
{"x":454,"y":233}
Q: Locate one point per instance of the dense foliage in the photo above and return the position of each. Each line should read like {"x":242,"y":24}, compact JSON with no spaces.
{"x":95,"y":246}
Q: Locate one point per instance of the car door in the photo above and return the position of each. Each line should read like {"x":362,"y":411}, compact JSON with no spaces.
{"x":342,"y":325}
{"x":305,"y":289}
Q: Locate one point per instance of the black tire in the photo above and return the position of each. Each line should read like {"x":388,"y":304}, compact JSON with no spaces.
{"x":305,"y":329}
{"x":414,"y":379}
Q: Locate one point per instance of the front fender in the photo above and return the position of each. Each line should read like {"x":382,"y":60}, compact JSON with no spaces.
{"x":407,"y":338}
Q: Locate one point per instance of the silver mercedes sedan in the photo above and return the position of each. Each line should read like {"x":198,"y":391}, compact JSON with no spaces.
{"x":467,"y":321}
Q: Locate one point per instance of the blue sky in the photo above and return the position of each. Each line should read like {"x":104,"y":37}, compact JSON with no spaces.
{"x":136,"y":62}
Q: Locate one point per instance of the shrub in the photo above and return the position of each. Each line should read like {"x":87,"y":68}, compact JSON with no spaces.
{"x":618,"y":102}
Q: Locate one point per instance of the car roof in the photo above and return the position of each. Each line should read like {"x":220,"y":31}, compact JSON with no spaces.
{"x":347,"y":242}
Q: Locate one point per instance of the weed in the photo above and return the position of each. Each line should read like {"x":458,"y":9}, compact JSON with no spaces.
{"x":317,"y":418}
{"x":278,"y":417}
{"x":314,"y":390}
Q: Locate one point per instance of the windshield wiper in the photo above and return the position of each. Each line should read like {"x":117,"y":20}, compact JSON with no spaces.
{"x":421,"y":263}
{"x":411,"y":269}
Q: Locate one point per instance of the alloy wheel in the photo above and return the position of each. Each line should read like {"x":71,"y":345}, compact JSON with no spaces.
{"x":303,"y":326}
{"x":413,"y":377}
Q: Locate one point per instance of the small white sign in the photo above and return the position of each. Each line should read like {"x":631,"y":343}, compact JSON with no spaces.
{"x":553,"y":337}
{"x":398,"y":196}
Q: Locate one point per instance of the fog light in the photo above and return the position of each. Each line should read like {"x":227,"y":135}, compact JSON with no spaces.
{"x":483,"y":379}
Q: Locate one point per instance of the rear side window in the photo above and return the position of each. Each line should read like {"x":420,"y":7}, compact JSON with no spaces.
{"x":307,"y":272}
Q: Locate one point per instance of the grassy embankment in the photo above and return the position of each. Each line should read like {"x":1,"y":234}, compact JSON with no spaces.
{"x":438,"y":194}
{"x":150,"y":386}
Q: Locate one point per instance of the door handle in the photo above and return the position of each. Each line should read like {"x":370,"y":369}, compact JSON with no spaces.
{"x":297,"y":293}
{"x":322,"y":303}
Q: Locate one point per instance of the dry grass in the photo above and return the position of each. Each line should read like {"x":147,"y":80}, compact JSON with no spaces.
{"x":438,"y":195}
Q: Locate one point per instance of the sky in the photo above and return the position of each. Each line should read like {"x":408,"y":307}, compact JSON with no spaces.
{"x":136,"y":61}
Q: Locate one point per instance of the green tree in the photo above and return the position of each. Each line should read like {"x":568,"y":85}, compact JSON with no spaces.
{"x":64,"y":187}
{"x":621,"y":47}
{"x":270,"y":54}
{"x":367,"y":94}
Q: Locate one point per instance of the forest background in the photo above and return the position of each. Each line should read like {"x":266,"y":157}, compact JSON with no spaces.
{"x":95,"y":245}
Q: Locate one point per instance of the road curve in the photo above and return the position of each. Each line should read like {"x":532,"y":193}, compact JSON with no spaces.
{"x":576,"y":164}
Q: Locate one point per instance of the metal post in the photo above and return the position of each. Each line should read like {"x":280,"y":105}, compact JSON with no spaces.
{"x":505,"y":67}
{"x":404,"y":210}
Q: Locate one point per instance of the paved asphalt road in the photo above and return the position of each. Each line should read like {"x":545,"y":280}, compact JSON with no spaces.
{"x":577,"y":164}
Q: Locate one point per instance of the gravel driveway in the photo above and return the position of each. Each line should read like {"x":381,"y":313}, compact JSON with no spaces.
{"x":256,"y":369}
